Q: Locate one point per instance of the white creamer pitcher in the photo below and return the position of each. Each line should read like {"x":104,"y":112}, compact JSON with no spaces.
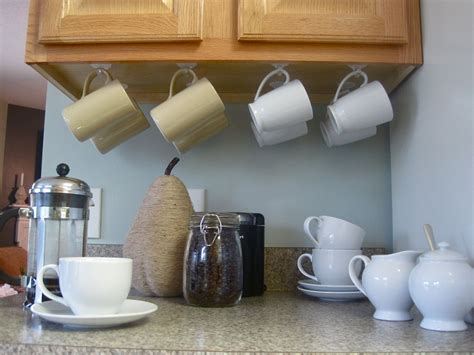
{"x":385,"y":283}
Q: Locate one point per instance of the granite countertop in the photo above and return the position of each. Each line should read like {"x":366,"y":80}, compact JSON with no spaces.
{"x":277,"y":322}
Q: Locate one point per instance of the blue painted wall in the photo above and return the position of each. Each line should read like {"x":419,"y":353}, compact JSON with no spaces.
{"x":286,"y":183}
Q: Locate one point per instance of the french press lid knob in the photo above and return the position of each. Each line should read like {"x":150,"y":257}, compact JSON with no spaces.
{"x":61,"y":184}
{"x":62,"y":169}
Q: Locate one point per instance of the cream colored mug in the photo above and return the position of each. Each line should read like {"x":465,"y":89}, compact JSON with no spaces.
{"x":114,"y":135}
{"x":99,"y":109}
{"x":189,"y":109}
{"x":199,"y":135}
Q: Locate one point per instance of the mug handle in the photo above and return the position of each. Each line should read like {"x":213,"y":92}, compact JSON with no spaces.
{"x":43,"y":288}
{"x":300,"y":267}
{"x":307,"y":231}
{"x":178,"y":73}
{"x":268,"y":76}
{"x":90,"y":78}
{"x":347,"y":77}
{"x":353,"y":274}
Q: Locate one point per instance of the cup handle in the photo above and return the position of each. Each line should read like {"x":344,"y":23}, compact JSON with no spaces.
{"x":353,"y":274}
{"x":347,"y":77}
{"x":300,"y":267}
{"x":268,"y":76}
{"x":178,"y":73}
{"x":42,"y":286}
{"x":307,"y":231}
{"x":90,"y":78}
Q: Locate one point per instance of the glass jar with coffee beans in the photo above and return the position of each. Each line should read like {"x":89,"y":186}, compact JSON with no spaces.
{"x":213,"y":273}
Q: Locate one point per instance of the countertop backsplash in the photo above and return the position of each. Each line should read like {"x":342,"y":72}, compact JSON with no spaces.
{"x":281,"y":272}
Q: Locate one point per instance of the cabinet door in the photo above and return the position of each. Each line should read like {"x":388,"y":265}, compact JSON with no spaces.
{"x":96,"y":21}
{"x":356,"y":21}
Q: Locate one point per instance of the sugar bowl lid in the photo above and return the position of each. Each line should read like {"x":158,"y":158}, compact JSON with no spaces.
{"x":443,"y":253}
{"x":61,"y":184}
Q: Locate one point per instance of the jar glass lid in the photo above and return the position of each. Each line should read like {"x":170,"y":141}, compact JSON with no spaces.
{"x":214,"y":220}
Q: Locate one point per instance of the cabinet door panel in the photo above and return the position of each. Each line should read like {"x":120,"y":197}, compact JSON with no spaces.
{"x":92,"y":21}
{"x":357,"y":21}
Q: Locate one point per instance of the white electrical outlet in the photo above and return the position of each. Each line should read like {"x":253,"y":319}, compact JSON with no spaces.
{"x":93,"y":227}
{"x":198,"y":198}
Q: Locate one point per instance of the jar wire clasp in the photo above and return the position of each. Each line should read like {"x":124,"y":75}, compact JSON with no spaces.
{"x":204,"y":228}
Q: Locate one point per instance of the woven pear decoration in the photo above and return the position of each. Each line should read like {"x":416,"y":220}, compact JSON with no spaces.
{"x":157,"y":239}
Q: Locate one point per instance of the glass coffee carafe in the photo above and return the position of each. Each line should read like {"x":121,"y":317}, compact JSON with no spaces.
{"x":58,"y":213}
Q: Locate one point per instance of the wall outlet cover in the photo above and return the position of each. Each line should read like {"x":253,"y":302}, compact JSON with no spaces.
{"x":198,"y":198}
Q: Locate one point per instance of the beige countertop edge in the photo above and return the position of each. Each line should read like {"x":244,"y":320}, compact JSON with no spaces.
{"x":278,"y":322}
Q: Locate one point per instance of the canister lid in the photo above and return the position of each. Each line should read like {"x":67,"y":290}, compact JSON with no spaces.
{"x":214,"y":219}
{"x":443,"y":253}
{"x":61,"y":184}
{"x":251,"y":219}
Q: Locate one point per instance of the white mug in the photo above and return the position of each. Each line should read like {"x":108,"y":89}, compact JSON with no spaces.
{"x":330,"y":267}
{"x":90,"y":286}
{"x":282,"y":107}
{"x":279,"y":136}
{"x":334,"y":233}
{"x":365,"y":107}
{"x":333,"y":139}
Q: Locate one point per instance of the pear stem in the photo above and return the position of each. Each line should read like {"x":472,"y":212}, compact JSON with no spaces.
{"x":171,"y":166}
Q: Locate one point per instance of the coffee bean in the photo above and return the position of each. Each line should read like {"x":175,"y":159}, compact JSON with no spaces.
{"x":213,"y":275}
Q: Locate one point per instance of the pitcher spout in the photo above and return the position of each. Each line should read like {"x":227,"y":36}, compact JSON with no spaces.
{"x":406,"y":255}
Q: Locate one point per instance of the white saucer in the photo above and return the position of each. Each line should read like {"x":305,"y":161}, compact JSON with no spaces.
{"x":316,"y":286}
{"x":333,"y":296}
{"x":130,"y":311}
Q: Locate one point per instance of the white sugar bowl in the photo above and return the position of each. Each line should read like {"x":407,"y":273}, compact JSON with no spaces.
{"x":442,"y":287}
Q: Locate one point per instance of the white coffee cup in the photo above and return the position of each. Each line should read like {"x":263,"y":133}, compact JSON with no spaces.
{"x":333,"y":139}
{"x":279,"y":136}
{"x":330,"y":267}
{"x":99,"y":109}
{"x":187,"y":110}
{"x":282,"y":107}
{"x":334,"y":233}
{"x":368,"y":106}
{"x":90,"y":286}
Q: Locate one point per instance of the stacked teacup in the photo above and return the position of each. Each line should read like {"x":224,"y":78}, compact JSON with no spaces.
{"x":336,"y":242}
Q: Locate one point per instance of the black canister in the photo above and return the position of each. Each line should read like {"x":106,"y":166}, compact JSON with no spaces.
{"x":252,"y":232}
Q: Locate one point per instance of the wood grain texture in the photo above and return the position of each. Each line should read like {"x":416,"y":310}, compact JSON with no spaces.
{"x":220,"y":44}
{"x":234,"y":67}
{"x":148,"y":82}
{"x":89,"y":21}
{"x":334,"y":21}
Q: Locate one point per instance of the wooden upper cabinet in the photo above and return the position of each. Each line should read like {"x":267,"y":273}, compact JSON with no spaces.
{"x":96,"y":21}
{"x":337,"y":21}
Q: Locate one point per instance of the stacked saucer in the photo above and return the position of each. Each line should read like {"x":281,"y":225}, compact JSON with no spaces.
{"x":333,"y":293}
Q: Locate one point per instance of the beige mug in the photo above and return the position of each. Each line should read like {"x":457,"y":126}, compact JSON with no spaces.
{"x":201,"y":134}
{"x":112,"y":136}
{"x":187,"y":110}
{"x":96,"y":110}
